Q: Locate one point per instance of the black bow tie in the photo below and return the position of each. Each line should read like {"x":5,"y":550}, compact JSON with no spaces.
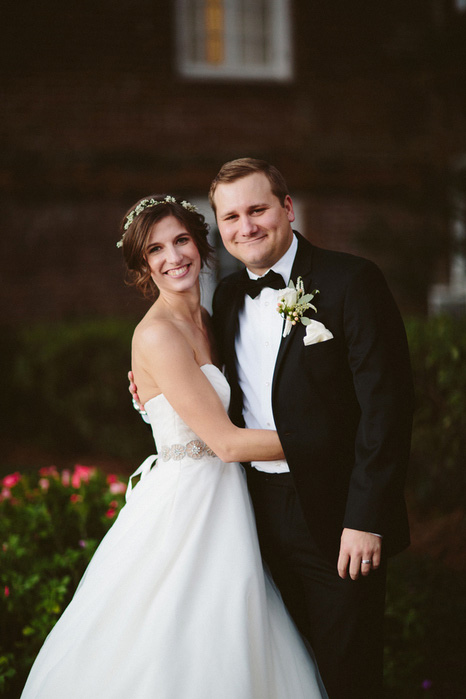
{"x":272,"y":280}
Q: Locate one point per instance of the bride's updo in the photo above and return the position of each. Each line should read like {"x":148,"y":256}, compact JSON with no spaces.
{"x":135,"y":230}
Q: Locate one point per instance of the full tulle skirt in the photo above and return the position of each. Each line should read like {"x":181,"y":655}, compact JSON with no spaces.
{"x":175,"y":603}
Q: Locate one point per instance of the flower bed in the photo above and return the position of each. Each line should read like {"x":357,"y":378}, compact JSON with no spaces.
{"x":51,"y":522}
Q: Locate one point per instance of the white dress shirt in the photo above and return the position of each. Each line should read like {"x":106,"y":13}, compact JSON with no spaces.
{"x":257,"y":341}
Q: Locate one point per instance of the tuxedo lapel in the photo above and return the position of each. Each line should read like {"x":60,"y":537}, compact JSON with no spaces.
{"x":230,"y":323}
{"x":302,"y":267}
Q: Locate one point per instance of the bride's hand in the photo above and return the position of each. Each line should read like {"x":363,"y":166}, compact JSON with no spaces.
{"x":133,"y":389}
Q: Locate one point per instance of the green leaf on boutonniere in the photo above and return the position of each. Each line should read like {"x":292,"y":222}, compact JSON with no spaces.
{"x":293,"y":303}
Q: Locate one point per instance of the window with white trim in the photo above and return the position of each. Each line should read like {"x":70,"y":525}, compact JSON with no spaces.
{"x":241,"y":39}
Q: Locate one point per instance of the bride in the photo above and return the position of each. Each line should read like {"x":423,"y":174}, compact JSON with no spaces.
{"x":175,"y":603}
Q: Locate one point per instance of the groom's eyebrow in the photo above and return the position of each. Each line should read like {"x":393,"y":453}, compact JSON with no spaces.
{"x":225,"y":214}
{"x":234,"y":212}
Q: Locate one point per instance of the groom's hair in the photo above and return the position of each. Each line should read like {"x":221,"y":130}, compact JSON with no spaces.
{"x":242,"y":167}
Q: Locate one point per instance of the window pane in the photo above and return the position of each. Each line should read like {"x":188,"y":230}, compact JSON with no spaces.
{"x":195,"y":36}
{"x":246,"y":39}
{"x":214,"y":30}
{"x":253,"y":31}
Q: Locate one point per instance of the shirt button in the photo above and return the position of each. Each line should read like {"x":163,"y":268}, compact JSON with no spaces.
{"x":266,"y":344}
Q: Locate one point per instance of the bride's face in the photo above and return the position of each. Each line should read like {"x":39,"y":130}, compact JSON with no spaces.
{"x":172,"y":255}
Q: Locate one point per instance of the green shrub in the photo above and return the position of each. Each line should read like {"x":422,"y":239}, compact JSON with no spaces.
{"x":437,"y":474}
{"x":425,"y":629}
{"x":67,"y":390}
{"x":50,"y":525}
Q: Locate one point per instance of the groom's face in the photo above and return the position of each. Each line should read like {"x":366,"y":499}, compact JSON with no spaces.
{"x":255,"y":227}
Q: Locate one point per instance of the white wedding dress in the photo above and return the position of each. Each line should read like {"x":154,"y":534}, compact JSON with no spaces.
{"x":175,"y":603}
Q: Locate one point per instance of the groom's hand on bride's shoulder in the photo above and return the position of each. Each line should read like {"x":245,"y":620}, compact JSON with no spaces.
{"x":133,"y":389}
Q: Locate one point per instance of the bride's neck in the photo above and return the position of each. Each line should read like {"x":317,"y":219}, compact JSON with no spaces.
{"x":185,"y":307}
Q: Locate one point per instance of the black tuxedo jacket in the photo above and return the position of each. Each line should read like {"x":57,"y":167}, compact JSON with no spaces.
{"x":343,"y":407}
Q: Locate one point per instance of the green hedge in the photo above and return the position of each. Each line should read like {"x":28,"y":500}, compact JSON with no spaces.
{"x":425,"y":629}
{"x":66,"y":392}
{"x":437,"y":475}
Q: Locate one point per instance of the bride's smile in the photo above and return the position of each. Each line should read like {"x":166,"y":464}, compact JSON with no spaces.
{"x":180,"y":271}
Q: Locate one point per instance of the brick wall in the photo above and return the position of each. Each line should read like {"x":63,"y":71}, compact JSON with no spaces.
{"x":94,"y":116}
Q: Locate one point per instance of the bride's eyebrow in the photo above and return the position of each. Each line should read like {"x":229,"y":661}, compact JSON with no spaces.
{"x":175,"y":239}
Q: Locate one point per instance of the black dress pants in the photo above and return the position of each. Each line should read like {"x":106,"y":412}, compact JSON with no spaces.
{"x":342,"y":619}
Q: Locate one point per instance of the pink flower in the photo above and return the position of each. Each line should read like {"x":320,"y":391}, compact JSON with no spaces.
{"x":82,"y":543}
{"x":12,"y":479}
{"x":44,"y":483}
{"x":116,"y":488}
{"x":111,"y":478}
{"x":65,"y":478}
{"x":5,"y":494}
{"x":48,"y":471}
{"x":81,"y":473}
{"x":110,"y":513}
{"x":75,"y":498}
{"x":7,"y":591}
{"x":85,"y":471}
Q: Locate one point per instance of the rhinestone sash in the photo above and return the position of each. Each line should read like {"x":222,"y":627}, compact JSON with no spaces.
{"x":195,"y":449}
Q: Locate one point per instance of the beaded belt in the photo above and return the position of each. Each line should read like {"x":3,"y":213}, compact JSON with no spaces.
{"x":194,"y":450}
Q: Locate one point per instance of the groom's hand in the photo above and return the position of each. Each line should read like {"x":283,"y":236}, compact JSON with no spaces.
{"x":134,"y":391}
{"x":359,"y":553}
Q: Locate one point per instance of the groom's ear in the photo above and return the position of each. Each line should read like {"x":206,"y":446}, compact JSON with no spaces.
{"x":288,"y":206}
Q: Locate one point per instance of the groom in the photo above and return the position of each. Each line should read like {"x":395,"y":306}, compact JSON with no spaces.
{"x":330,"y":514}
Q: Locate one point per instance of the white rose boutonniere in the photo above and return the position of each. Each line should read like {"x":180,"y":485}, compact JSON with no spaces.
{"x":316,"y":332}
{"x":293,"y":303}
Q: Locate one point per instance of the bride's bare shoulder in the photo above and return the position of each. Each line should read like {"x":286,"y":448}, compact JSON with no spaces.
{"x":155,"y":336}
{"x":153,"y":330}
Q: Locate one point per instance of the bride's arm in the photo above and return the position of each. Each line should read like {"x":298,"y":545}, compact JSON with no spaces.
{"x":170,"y":361}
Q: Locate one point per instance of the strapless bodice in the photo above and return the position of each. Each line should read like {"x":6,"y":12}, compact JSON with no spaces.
{"x":167,"y":426}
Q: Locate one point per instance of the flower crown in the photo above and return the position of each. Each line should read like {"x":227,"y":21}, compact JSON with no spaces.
{"x":147,"y":204}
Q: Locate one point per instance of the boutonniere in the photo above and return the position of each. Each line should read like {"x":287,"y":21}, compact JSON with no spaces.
{"x":293,"y":303}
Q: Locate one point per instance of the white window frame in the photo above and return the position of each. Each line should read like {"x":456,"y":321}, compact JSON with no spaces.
{"x":278,"y":67}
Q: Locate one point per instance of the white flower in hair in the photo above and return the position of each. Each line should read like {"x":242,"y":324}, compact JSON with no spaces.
{"x":147,"y":204}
